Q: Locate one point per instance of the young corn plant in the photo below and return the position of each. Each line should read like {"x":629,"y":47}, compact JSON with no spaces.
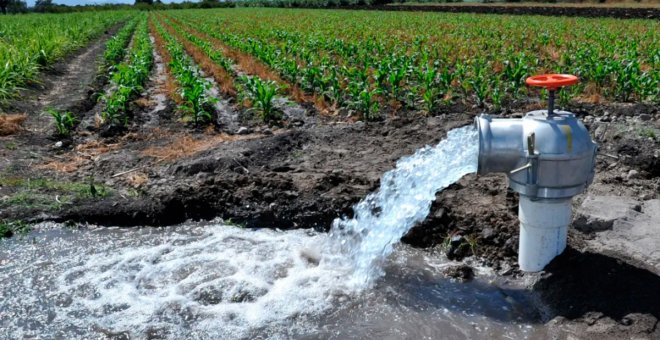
{"x":395,"y":77}
{"x":629,"y":80}
{"x":193,"y":93}
{"x":116,"y":107}
{"x":368,"y":105}
{"x":430,"y":87}
{"x":497,"y":93}
{"x":261,"y":93}
{"x":196,"y":102}
{"x":64,"y":122}
{"x":115,"y":49}
{"x":193,"y":89}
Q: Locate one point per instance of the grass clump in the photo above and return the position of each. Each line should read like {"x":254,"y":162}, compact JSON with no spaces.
{"x":43,"y":193}
{"x":649,"y":133}
{"x":65,"y":122}
{"x":11,"y":228}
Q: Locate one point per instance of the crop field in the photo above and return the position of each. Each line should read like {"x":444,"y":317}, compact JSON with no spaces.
{"x":30,"y":43}
{"x":365,"y":65}
{"x":386,"y":61}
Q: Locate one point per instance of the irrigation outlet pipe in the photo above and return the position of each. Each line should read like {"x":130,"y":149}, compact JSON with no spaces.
{"x":548,"y":157}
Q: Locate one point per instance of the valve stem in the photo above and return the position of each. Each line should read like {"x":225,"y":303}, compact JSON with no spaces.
{"x":551,"y":103}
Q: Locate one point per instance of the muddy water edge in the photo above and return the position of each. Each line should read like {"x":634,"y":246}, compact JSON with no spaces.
{"x":305,"y":176}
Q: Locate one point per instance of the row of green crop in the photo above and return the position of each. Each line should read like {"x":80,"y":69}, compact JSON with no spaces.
{"x":193,"y":88}
{"x":113,"y":56}
{"x":129,"y":77}
{"x":260,"y":92}
{"x":28,"y":43}
{"x":115,"y":47}
{"x":344,"y":86}
{"x":427,"y":59}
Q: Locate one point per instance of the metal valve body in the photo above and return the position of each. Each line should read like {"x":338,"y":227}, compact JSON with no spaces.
{"x":549,"y":157}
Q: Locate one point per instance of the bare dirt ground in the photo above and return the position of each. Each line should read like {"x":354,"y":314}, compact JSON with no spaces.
{"x":307,"y":172}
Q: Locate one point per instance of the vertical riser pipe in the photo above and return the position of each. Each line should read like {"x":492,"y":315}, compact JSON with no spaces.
{"x":543,"y":231}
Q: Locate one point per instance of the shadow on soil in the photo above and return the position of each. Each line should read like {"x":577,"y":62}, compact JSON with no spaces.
{"x":579,"y":283}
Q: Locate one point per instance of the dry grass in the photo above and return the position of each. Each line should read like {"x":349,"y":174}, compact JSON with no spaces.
{"x":137,"y":179}
{"x":591,"y":94}
{"x":185,"y":145}
{"x":143,"y":102}
{"x":82,"y":155}
{"x":95,"y":148}
{"x":69,"y":165}
{"x":11,"y":123}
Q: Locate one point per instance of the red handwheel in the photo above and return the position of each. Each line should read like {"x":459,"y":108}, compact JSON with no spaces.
{"x":552,"y":81}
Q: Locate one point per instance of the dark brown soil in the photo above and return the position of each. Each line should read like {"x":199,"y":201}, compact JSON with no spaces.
{"x":592,"y":295}
{"x":613,"y":12}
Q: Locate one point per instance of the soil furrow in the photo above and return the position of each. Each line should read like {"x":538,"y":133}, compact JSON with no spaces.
{"x":250,"y":65}
{"x":222,"y":78}
{"x":223,"y":83}
{"x":72,"y":85}
{"x":159,"y":46}
{"x":90,"y":119}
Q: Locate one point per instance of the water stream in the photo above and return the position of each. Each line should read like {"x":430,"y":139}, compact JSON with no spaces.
{"x":215,"y":281}
{"x":403,"y":199}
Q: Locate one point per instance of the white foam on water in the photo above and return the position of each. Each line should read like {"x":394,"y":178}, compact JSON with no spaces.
{"x":224,"y":283}
{"x":403,"y":200}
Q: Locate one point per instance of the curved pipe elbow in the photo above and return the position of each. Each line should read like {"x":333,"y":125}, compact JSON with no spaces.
{"x":501,"y":146}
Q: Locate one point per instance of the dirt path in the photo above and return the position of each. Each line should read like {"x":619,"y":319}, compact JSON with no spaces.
{"x":70,"y":85}
{"x":67,"y":86}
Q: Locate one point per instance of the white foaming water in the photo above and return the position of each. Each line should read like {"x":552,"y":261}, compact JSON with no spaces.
{"x":191,"y":281}
{"x":404,"y":199}
{"x":213,"y":280}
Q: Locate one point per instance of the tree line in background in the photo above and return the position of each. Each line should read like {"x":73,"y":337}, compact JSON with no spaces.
{"x":48,"y":6}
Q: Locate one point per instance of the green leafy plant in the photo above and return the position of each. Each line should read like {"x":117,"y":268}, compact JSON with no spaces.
{"x":32,"y":43}
{"x":64,"y":122}
{"x":368,"y":105}
{"x":10,"y":228}
{"x":129,"y":77}
{"x":115,"y":48}
{"x":262,"y":93}
{"x":192,"y":87}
